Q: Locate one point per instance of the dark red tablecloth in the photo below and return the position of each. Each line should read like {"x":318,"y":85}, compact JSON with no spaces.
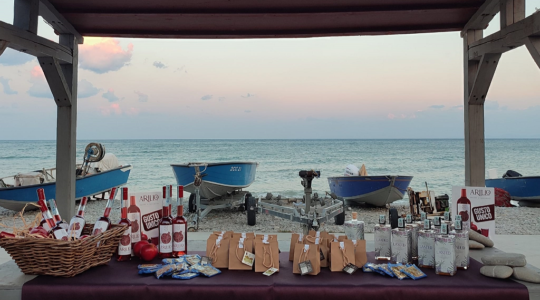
{"x":120,"y":281}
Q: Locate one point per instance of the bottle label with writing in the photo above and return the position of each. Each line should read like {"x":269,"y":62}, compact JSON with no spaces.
{"x":165,"y":238}
{"x":426,"y":249}
{"x":124,"y":247}
{"x":383,"y":237}
{"x":135,"y":219}
{"x":99,"y":227}
{"x":445,"y":255}
{"x":462,"y":249}
{"x":401,"y":246}
{"x":46,"y":226}
{"x":179,"y":234}
{"x":60,"y":234}
{"x":464,"y":210}
{"x":76,"y":227}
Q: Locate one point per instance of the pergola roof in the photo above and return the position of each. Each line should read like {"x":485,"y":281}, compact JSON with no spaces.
{"x":263,"y":18}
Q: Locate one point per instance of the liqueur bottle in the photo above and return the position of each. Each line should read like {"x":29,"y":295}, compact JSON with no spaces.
{"x":179,"y":226}
{"x":76,"y":225}
{"x":423,"y":216}
{"x":134,"y":216}
{"x":383,"y":238}
{"x":446,"y":219}
{"x":58,"y":232}
{"x":426,"y":246}
{"x":165,"y":227}
{"x":354,"y":229}
{"x":124,"y":246}
{"x":401,"y":243}
{"x":414,"y":236}
{"x":56,"y":215}
{"x":464,"y":210}
{"x":445,"y":252}
{"x":437,"y":224}
{"x":462,"y":245}
{"x":104,"y":223}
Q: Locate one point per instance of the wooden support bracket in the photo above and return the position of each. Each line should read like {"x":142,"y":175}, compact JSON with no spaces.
{"x":57,"y":20}
{"x":482,"y":17}
{"x":533,"y":45}
{"x":3,"y":46}
{"x":56,"y":79}
{"x":484,"y":76}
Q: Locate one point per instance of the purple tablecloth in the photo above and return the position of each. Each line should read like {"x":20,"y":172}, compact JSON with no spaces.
{"x":120,"y":281}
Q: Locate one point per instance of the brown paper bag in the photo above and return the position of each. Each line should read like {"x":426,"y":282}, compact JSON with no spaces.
{"x":236,"y":253}
{"x":312,"y":241}
{"x":315,"y":233}
{"x":266,"y":255}
{"x":307,"y":252}
{"x":228,"y":234}
{"x":341,"y":238}
{"x":217,"y":249}
{"x":325,"y":252}
{"x":360,"y":256}
{"x":296,"y":238}
{"x":342,"y":254}
{"x":269,"y":236}
{"x":329,"y":239}
{"x":248,"y":235}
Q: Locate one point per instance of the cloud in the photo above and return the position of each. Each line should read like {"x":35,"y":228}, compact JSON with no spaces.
{"x":39,"y":88}
{"x":437,"y":106}
{"x":85,"y":89}
{"x":159,"y":65}
{"x":13,"y":58}
{"x":113,"y":108}
{"x":248,"y":95}
{"x":7,"y":89}
{"x":103,"y":55}
{"x":391,"y":116}
{"x":142,"y":97}
{"x":109,"y":95}
{"x":206,"y":97}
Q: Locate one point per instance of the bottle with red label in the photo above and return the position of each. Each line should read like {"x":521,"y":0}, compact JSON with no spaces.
{"x":179,"y":226}
{"x":165,"y":227}
{"x":124,"y":246}
{"x":104,"y":223}
{"x":76,"y":225}
{"x":134,"y":216}
{"x":58,"y":232}
{"x":56,"y":215}
{"x":464,"y":210}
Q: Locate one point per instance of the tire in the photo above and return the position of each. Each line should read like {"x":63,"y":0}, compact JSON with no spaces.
{"x":246,"y":197}
{"x":393,"y":217}
{"x":340,"y":218}
{"x":192,"y":207}
{"x":251,"y":210}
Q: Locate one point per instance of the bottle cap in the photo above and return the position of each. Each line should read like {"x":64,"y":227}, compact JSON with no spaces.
{"x":426,"y":224}
{"x":354,"y":215}
{"x":457,"y":217}
{"x":444,"y":228}
{"x":409,"y":219}
{"x":423,"y":216}
{"x":457,"y":224}
{"x":447,"y":216}
{"x":437,"y":221}
{"x":400,"y":223}
{"x":382,"y":219}
{"x":164,"y":191}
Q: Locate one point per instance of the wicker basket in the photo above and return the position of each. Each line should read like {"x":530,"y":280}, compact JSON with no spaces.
{"x":36,"y":256}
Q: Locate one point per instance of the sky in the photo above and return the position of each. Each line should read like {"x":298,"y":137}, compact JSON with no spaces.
{"x":399,"y":86}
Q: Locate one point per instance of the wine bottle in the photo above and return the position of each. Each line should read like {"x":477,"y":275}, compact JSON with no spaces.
{"x":56,"y":215}
{"x":134,"y":216}
{"x":76,"y":225}
{"x":104,"y":223}
{"x":165,"y":227}
{"x":464,"y":210}
{"x":58,"y":232}
{"x":124,"y":246}
{"x":179,"y":226}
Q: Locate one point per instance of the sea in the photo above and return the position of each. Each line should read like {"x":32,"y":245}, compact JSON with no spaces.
{"x":435,"y":163}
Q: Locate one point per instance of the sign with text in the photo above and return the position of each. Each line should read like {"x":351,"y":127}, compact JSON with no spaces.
{"x":482,"y":208}
{"x":150,"y":205}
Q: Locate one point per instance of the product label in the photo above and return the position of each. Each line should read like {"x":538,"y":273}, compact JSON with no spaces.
{"x":99,"y":227}
{"x":462,"y":249}
{"x":124,"y":247}
{"x":354,"y":230}
{"x":383,"y":246}
{"x":46,"y":226}
{"x":426,"y":249}
{"x":445,"y":254}
{"x":484,"y":213}
{"x":179,"y":234}
{"x":76,"y":227}
{"x":464,"y":210}
{"x":401,"y":246}
{"x":135,"y":219}
{"x":414,"y":241}
{"x":165,"y":238}
{"x":60,"y":234}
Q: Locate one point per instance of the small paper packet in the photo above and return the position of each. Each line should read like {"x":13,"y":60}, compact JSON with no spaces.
{"x":248,"y":258}
{"x":149,"y":266}
{"x":205,"y":260}
{"x":270,"y":271}
{"x":193,"y":259}
{"x":169,"y":261}
{"x":396,"y":270}
{"x":366,"y":268}
{"x":386,"y":269}
{"x":184,"y":276}
{"x":350,"y":268}
{"x":414,"y":272}
{"x":164,"y":271}
{"x":209,"y":271}
{"x":305,"y":267}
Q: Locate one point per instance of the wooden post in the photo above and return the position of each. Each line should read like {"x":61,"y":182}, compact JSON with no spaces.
{"x":512,"y":11}
{"x":26,"y":14}
{"x":66,"y":135}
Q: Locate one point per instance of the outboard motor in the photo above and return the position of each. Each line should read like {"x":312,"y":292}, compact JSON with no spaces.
{"x":511,"y":173}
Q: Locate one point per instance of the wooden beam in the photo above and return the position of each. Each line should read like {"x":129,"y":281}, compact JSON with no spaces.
{"x":26,"y":14}
{"x":486,"y":69}
{"x":512,"y":11}
{"x":55,"y":77}
{"x":533,"y":45}
{"x":506,"y":39}
{"x":57,"y":20}
{"x":482,"y":17}
{"x":3,"y":46}
{"x":32,"y":44}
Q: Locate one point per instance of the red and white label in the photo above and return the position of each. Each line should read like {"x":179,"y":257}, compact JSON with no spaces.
{"x":135,"y":219}
{"x":165,"y":238}
{"x":99,"y":227}
{"x":464,"y":210}
{"x":179,"y":237}
{"x":60,"y":234}
{"x":76,"y":227}
{"x":124,"y":246}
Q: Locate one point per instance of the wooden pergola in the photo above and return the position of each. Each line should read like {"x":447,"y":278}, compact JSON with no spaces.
{"x":218,"y":19}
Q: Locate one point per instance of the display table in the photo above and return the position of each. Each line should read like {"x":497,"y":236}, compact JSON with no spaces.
{"x":120,"y":281}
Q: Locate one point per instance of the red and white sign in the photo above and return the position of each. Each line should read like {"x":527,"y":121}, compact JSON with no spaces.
{"x":150,"y":205}
{"x":482,"y":207}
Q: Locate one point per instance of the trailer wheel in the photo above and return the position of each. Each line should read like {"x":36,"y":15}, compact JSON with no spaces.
{"x":192,"y":207}
{"x":246,"y":200}
{"x":251,"y":210}
{"x":339,"y":219}
{"x":393,"y":216}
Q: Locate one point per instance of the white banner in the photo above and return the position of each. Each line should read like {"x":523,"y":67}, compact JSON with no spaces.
{"x":150,"y":205}
{"x":482,"y":217}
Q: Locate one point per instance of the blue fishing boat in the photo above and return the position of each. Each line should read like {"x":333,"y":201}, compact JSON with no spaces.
{"x":217,"y":179}
{"x":525,"y":189}
{"x":374,"y":190}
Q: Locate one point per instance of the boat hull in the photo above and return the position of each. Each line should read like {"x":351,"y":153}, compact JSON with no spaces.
{"x":15,"y":198}
{"x":219,"y":180}
{"x":374,"y":190}
{"x":523,"y":189}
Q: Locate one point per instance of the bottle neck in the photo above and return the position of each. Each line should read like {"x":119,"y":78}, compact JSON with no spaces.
{"x":180,"y":211}
{"x":107,"y":212}
{"x":165,"y":211}
{"x":82,"y":207}
{"x":124,"y":212}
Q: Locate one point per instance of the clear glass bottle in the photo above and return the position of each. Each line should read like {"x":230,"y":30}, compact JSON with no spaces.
{"x":401,"y":243}
{"x":56,"y":215}
{"x":462,"y":245}
{"x":165,"y":227}
{"x":104,"y":223}
{"x":423,"y":216}
{"x":437,"y":224}
{"x":76,"y":225}
{"x":414,"y":236}
{"x":179,"y":226}
{"x":464,"y":209}
{"x":445,"y":252}
{"x":383,"y":240}
{"x":426,"y":246}
{"x":124,"y":246}
{"x":446,"y":219}
{"x":354,"y":229}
